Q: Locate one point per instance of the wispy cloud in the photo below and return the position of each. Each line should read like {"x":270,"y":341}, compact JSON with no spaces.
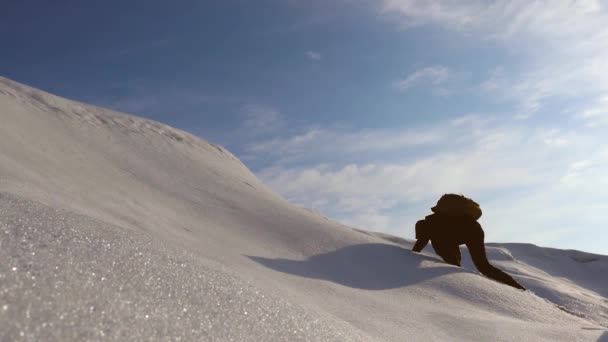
{"x":322,"y":143}
{"x":368,"y":217}
{"x":563,"y":44}
{"x":260,"y":119}
{"x":313,"y":55}
{"x":481,"y":164}
{"x":501,"y":18}
{"x":596,"y":114}
{"x":433,"y":76}
{"x":490,"y":159}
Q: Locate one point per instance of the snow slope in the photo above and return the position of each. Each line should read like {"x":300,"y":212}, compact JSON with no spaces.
{"x":113,"y":227}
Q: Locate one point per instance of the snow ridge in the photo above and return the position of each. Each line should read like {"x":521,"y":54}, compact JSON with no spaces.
{"x":115,"y":227}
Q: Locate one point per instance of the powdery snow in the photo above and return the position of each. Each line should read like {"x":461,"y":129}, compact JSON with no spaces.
{"x":113,"y":227}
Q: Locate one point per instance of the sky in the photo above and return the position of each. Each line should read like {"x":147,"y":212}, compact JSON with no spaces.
{"x":365,"y":111}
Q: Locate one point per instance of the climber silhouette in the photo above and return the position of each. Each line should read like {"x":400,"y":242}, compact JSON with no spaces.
{"x":454,"y":223}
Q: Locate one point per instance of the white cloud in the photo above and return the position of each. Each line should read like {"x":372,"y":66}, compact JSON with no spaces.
{"x":322,"y":143}
{"x":508,"y":163}
{"x":313,"y":55}
{"x":259,"y":119}
{"x":369,"y":219}
{"x":554,"y":138}
{"x":434,"y":76}
{"x":563,"y":43}
{"x":501,"y":18}
{"x":595,"y":114}
{"x":356,"y":186}
{"x":575,"y":78}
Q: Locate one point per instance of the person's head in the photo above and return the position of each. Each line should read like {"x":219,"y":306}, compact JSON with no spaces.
{"x":457,"y":205}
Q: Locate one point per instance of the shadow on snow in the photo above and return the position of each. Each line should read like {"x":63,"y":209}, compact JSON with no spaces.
{"x":370,"y":266}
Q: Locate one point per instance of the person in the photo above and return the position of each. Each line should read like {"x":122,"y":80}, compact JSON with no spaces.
{"x":454,"y":223}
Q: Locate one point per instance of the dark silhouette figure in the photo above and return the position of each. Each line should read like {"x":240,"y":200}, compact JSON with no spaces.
{"x":453,"y":224}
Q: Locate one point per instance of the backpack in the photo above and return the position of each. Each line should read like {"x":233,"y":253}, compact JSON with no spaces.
{"x":457,"y":205}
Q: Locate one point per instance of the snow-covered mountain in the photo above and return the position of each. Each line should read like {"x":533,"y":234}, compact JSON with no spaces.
{"x":113,"y":227}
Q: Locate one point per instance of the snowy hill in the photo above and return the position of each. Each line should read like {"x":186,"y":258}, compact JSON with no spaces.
{"x":113,"y":227}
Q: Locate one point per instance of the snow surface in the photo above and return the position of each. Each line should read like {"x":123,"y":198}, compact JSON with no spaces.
{"x":113,"y":227}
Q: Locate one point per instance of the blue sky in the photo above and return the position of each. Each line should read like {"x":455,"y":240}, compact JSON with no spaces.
{"x":366,"y":111}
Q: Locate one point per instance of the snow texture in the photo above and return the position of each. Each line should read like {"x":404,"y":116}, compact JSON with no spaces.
{"x":117,"y":228}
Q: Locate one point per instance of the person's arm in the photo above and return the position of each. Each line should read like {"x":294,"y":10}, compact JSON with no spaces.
{"x":421,"y":236}
{"x":420,"y":244}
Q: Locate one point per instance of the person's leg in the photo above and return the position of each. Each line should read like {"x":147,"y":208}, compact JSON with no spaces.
{"x":449,"y":252}
{"x":478,"y":254}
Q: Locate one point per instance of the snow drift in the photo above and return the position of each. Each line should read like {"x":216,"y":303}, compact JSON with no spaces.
{"x":113,"y":227}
